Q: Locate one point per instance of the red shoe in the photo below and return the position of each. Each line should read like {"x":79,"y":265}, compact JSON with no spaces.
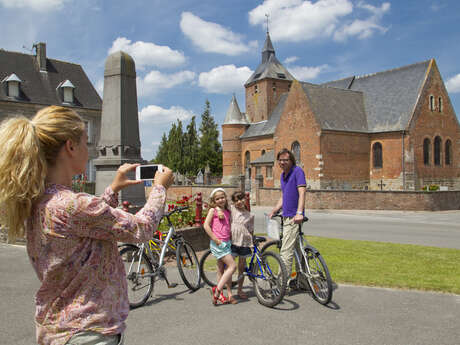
{"x":222,"y":299}
{"x":213,"y":295}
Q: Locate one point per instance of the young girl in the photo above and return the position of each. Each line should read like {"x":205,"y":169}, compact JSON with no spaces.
{"x":242,"y":231}
{"x":217,"y":226}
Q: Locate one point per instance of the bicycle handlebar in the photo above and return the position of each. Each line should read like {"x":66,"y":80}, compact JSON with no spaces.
{"x":177,"y":209}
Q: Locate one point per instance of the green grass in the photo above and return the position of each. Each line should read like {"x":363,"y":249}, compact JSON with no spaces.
{"x":402,"y":266}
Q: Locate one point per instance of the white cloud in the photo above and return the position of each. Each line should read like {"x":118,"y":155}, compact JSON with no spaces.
{"x":35,"y":5}
{"x":156,"y":81}
{"x":156,"y":115}
{"x":148,"y":54}
{"x":453,"y":84}
{"x":213,"y":38}
{"x":300,"y":20}
{"x":306,"y":73}
{"x":224,"y":79}
{"x":100,"y":87}
{"x":291,"y":59}
{"x":364,"y":28}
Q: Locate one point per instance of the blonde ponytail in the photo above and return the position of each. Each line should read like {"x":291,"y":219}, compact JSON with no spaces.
{"x":27,"y":149}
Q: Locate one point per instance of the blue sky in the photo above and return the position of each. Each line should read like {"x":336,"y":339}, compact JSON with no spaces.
{"x":188,"y":51}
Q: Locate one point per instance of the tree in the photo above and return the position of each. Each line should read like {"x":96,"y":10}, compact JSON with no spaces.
{"x":191,"y":149}
{"x":162,"y":153}
{"x":210,"y":149}
{"x":175,"y":148}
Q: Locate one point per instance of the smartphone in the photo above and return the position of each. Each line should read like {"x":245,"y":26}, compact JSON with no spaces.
{"x":147,"y":172}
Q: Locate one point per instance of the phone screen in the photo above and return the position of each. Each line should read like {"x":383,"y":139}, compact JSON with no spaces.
{"x":148,"y":172}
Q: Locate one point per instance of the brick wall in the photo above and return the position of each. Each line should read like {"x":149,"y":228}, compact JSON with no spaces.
{"x":370,"y":200}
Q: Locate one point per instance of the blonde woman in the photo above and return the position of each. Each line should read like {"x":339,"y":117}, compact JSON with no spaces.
{"x":71,"y":237}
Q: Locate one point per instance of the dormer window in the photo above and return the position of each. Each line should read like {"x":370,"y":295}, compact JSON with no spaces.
{"x":12,"y":85}
{"x":66,"y":90}
{"x":281,"y":75}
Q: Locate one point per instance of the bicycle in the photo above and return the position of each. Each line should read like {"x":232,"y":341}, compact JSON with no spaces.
{"x":144,"y":266}
{"x":310,"y":263}
{"x":266,"y":271}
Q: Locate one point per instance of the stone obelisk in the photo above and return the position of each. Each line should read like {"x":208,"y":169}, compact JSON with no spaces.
{"x":119,"y":140}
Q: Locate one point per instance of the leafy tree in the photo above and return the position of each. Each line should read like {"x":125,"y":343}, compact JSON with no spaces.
{"x":210,"y":148}
{"x":175,"y":147}
{"x":191,"y":149}
{"x":162,"y":153}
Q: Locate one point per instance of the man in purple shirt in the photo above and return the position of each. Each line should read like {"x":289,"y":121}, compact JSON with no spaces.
{"x":292,"y":201}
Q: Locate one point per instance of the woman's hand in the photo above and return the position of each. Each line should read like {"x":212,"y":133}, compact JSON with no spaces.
{"x":164,"y":178}
{"x":121,"y":180}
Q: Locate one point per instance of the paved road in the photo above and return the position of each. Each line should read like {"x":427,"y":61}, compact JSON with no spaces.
{"x":438,"y":229}
{"x":358,"y":315}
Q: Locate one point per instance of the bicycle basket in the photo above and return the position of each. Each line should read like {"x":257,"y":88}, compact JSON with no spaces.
{"x":272,"y":227}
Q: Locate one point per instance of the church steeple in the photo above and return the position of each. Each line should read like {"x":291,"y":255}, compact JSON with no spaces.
{"x":268,"y":49}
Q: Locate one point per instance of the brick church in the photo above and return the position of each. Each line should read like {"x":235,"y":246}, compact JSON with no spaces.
{"x":391,"y":130}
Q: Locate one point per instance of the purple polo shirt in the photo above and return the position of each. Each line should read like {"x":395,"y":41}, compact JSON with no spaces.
{"x":295,"y":178}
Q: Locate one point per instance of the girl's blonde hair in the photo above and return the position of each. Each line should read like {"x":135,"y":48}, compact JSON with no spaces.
{"x":212,"y":202}
{"x":28,"y":148}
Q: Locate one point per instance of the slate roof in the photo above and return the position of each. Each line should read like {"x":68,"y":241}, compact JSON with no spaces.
{"x":40,"y":88}
{"x":337,"y":109}
{"x":267,"y":157}
{"x":234,"y":115}
{"x":389,"y":96}
{"x":270,"y":67}
{"x":266,"y":127}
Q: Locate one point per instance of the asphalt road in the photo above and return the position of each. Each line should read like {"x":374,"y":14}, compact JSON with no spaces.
{"x":357,"y":315}
{"x":438,"y":229}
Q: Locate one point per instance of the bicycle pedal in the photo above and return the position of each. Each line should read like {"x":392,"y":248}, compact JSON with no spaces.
{"x":172,"y":285}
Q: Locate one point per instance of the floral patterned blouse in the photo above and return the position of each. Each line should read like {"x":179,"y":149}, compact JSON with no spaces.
{"x":242,"y":227}
{"x":72,"y":245}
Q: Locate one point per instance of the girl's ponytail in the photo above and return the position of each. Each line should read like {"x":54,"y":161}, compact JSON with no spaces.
{"x":27,"y":149}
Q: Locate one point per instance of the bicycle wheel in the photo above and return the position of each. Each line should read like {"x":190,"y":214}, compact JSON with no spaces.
{"x":319,"y":279}
{"x":139,"y":286}
{"x":208,"y":270}
{"x":269,"y":279}
{"x":272,"y":246}
{"x":187,"y":263}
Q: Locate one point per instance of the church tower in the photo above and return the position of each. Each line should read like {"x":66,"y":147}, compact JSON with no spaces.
{"x":265,"y":86}
{"x":234,"y":126}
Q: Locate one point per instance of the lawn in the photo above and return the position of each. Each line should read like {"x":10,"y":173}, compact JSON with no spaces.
{"x":402,"y":266}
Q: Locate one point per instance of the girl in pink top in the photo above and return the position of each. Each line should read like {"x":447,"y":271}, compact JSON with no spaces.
{"x":71,"y":237}
{"x":217,"y":226}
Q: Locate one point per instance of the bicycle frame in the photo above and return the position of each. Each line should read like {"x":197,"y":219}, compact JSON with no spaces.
{"x":248,"y":269}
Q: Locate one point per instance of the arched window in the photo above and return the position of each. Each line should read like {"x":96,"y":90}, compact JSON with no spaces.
{"x":431,"y":102}
{"x":426,"y":151}
{"x":440,"y":104}
{"x":448,"y":152}
{"x":437,"y":151}
{"x":263,"y":152}
{"x":247,"y":165}
{"x":295,"y":148}
{"x":377,"y":155}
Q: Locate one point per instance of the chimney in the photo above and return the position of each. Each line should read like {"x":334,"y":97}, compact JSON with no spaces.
{"x":40,"y":49}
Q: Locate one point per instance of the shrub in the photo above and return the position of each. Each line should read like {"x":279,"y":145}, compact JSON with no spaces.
{"x":185,"y":218}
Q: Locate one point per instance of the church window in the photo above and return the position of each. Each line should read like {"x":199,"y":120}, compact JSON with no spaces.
{"x":377,"y":155}
{"x":437,"y":151}
{"x":295,"y":148}
{"x":247,"y":166}
{"x":274,"y":87}
{"x":256,"y":88}
{"x":448,"y":152}
{"x":426,"y":151}
{"x":262,"y":152}
{"x":440,"y":104}
{"x":431,"y":102}
{"x":269,"y":172}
